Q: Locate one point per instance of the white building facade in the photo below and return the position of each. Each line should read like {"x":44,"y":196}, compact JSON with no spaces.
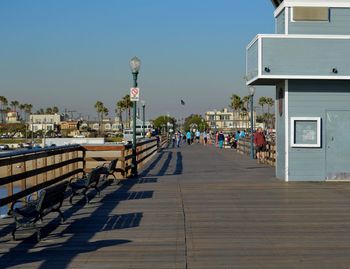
{"x":45,"y":122}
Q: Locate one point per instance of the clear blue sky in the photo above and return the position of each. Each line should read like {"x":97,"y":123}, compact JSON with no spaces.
{"x":71,"y":53}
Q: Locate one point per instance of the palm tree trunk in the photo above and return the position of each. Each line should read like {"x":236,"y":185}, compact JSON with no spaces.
{"x":121,"y":118}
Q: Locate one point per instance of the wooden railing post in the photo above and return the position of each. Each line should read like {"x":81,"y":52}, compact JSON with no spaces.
{"x":84,"y":159}
{"x":122,"y":161}
{"x":45,"y":165}
{"x":10,"y":185}
{"x":23,"y":169}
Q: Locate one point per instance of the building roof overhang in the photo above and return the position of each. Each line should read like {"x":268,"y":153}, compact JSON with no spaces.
{"x":276,"y":3}
{"x":282,"y":4}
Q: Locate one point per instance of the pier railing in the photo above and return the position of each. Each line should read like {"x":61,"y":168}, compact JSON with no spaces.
{"x":27,"y":172}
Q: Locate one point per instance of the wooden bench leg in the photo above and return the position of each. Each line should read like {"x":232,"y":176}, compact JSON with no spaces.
{"x":13,"y":233}
{"x":58,"y":210}
{"x":38,"y":234}
{"x":85,"y":195}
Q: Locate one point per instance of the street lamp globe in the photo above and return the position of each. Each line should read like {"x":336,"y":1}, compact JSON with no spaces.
{"x":143,"y":103}
{"x":135,"y":64}
{"x":251,"y":90}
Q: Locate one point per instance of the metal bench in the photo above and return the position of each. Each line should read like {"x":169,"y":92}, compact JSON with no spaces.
{"x":108,"y":169}
{"x":49,"y":200}
{"x":80,"y":186}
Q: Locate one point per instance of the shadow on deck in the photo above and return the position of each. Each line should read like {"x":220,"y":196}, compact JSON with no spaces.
{"x":86,"y":228}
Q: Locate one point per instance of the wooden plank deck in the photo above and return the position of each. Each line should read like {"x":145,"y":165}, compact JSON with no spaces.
{"x":195,"y":207}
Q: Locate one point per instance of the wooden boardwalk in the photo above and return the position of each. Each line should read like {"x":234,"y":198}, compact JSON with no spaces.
{"x":195,"y":207}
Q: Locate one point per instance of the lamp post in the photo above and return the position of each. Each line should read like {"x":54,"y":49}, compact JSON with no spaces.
{"x":31,"y":122}
{"x":44,"y":132}
{"x":26,"y":124}
{"x":167,"y":123}
{"x":143,"y":103}
{"x":135,"y":64}
{"x":215,"y":120}
{"x":251,"y":91}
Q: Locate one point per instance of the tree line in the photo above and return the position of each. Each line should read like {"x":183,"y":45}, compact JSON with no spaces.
{"x":242,"y":106}
{"x":6,"y":106}
{"x":122,"y":105}
{"x":23,"y":110}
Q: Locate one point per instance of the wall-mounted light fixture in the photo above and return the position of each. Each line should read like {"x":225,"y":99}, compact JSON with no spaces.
{"x":335,"y":71}
{"x":267,"y":70}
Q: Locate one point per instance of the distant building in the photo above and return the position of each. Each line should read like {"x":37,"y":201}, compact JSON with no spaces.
{"x":12,"y":117}
{"x":70,"y":128}
{"x":107,"y":126}
{"x":228,"y":121}
{"x":47,"y":122}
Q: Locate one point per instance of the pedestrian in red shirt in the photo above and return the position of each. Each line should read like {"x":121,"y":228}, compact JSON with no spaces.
{"x":260,"y":143}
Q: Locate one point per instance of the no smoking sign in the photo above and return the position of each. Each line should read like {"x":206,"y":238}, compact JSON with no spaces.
{"x":134,"y":94}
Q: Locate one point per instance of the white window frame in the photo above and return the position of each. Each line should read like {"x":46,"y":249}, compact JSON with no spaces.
{"x":318,"y":130}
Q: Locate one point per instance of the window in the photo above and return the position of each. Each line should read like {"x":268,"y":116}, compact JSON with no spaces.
{"x":306,"y":132}
{"x":310,"y":14}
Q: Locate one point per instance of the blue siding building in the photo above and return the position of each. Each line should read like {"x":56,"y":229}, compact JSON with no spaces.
{"x":308,"y":60}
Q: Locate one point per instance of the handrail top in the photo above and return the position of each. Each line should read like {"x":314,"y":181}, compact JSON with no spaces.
{"x":31,"y":151}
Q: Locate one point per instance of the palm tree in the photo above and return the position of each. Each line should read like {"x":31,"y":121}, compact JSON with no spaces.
{"x":236,"y":104}
{"x":3,"y":103}
{"x":27,"y":110}
{"x":49,"y":110}
{"x":104,"y":112}
{"x":245,"y":102}
{"x":262,"y":102}
{"x":40,"y":111}
{"x":99,"y":109}
{"x":119,"y":110}
{"x":55,"y":110}
{"x":14,"y":105}
{"x":270,"y":102}
{"x":21,"y":109}
{"x":128,"y":105}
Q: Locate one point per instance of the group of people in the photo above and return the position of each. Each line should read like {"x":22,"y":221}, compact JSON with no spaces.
{"x":259,"y":140}
{"x":190,"y":137}
{"x":196,"y":136}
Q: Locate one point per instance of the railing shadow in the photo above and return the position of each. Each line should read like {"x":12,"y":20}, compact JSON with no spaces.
{"x":179,"y":164}
{"x":82,"y":230}
{"x":165,"y":166}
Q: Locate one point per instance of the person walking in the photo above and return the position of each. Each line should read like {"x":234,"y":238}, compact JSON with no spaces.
{"x":178,"y":138}
{"x":205,"y":138}
{"x":260,"y":143}
{"x":188,"y":137}
{"x":221,"y":139}
{"x":173,"y":137}
{"x":198,"y":135}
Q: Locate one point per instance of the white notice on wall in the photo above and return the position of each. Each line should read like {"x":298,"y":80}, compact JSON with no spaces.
{"x":309,"y":135}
